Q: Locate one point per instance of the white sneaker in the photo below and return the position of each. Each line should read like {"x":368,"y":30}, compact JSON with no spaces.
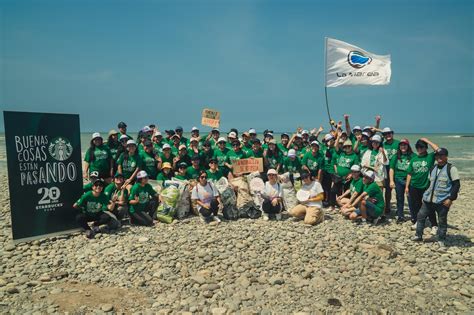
{"x":413,"y":227}
{"x":434,"y":230}
{"x":216,"y":218}
{"x":265,"y":217}
{"x":278,"y":216}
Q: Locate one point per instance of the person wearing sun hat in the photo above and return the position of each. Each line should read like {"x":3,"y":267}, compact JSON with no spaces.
{"x":129,"y":164}
{"x":166,"y":172}
{"x":370,"y":202}
{"x":143,"y":201}
{"x":98,"y":158}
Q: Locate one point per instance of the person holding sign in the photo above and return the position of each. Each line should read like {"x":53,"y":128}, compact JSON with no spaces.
{"x":93,"y":205}
{"x":206,"y":199}
{"x":309,"y":197}
{"x":143,"y":201}
{"x":98,"y":158}
{"x":234,"y":155}
{"x":272,"y":195}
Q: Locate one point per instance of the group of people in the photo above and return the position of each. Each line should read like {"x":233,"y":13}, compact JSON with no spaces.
{"x":352,"y":169}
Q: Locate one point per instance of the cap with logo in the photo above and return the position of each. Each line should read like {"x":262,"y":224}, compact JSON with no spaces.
{"x":366,"y":134}
{"x":328,"y":137}
{"x":252,"y":131}
{"x":131,"y":142}
{"x":376,"y":138}
{"x":166,"y":146}
{"x":370,"y":174}
{"x":315,"y":142}
{"x":182,"y":165}
{"x":221,"y":139}
{"x":368,"y":128}
{"x":291,"y":153}
{"x":94,"y":174}
{"x":146,"y":129}
{"x":194,"y":129}
{"x":123,"y":137}
{"x":96,"y":135}
{"x":387,"y":130}
{"x":357,"y":128}
{"x":355,"y":168}
{"x":232,"y":135}
{"x":142,"y":174}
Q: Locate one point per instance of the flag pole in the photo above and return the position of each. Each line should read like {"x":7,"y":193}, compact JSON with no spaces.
{"x":325,"y":81}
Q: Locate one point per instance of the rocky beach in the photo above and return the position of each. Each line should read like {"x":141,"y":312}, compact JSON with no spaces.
{"x":245,"y":266}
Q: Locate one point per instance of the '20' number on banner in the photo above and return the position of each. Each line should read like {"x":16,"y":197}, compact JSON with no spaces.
{"x":50,"y":195}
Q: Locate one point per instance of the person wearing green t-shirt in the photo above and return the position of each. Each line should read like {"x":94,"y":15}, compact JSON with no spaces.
{"x":283,"y":144}
{"x":214,"y":173}
{"x":192,"y":172}
{"x":193,"y":147}
{"x":342,"y":163}
{"x":370,"y":201}
{"x":129,"y":164}
{"x":167,"y":156}
{"x":391,"y":147}
{"x":206,"y":154}
{"x":98,"y":158}
{"x":398,"y":174}
{"x":272,"y":157}
{"x":246,"y":143}
{"x":362,"y":145}
{"x":291,"y":163}
{"x":220,"y":154}
{"x":93,"y":205}
{"x":418,"y":178}
{"x":114,"y":145}
{"x":179,"y":131}
{"x":158,"y":142}
{"x":166,"y":173}
{"x":257,"y":151}
{"x":143,"y":201}
{"x":119,"y":195}
{"x":346,"y":200}
{"x":313,"y":161}
{"x":327,"y":150}
{"x":235,"y":154}
{"x":181,"y":173}
{"x":150,"y":160}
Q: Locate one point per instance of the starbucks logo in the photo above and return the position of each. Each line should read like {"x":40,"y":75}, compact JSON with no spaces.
{"x":60,"y":148}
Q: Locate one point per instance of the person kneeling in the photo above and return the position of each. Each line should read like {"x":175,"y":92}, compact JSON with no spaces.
{"x":272,"y":196}
{"x":143,"y":201}
{"x":94,"y":205}
{"x":346,"y":200}
{"x":311,"y":208}
{"x":370,"y":201}
{"x":116,"y":192}
{"x":206,"y":199}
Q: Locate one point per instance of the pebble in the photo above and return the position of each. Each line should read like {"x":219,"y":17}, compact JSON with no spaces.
{"x":107,"y":307}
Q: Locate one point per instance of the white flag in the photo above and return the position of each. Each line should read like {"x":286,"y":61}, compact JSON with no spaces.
{"x":347,"y":64}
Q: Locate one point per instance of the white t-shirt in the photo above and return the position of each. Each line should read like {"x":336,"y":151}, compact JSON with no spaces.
{"x":314,"y":189}
{"x":204,"y":194}
{"x":271,"y":191}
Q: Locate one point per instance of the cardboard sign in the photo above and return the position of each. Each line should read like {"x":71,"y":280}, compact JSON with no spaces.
{"x":210,"y":118}
{"x":44,"y":172}
{"x":249,"y":165}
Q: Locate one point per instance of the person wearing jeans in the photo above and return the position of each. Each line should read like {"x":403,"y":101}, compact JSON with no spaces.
{"x":438,"y":198}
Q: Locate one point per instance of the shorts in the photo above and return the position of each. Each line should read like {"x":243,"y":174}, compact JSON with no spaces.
{"x":371,"y":210}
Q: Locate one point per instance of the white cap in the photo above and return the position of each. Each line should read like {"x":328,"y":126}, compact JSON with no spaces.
{"x":377,"y":138}
{"x":347,"y":143}
{"x":269,"y":134}
{"x":291,"y":153}
{"x":142,"y":174}
{"x":182,"y":146}
{"x":252,"y":131}
{"x":272,"y":171}
{"x":328,"y":137}
{"x":123,"y":137}
{"x":131,"y":141}
{"x":232,"y":135}
{"x":365,"y":134}
{"x":305,"y":132}
{"x":221,"y":139}
{"x":146,"y":129}
{"x":94,"y":174}
{"x":193,"y":139}
{"x":166,"y":146}
{"x":355,"y":168}
{"x":367,"y":127}
{"x":357,"y":128}
{"x":298,"y":135}
{"x":157,"y":134}
{"x":96,"y":135}
{"x":315,"y":142}
{"x":194,"y":129}
{"x":370,"y":174}
{"x":386,"y":130}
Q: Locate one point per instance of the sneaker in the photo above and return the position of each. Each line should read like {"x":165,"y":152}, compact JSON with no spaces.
{"x":96,"y":229}
{"x":376,"y":220}
{"x":216,"y":218}
{"x":417,"y":238}
{"x":413,"y":227}
{"x":90,"y":234}
{"x":265,"y":217}
{"x":434,"y":230}
{"x":401,"y":220}
{"x":278,"y":216}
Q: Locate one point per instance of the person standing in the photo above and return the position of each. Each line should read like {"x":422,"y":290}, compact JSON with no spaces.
{"x":98,"y":158}
{"x":438,"y":198}
{"x":391,"y":147}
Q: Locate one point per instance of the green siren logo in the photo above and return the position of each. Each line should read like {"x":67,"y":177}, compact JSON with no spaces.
{"x":60,"y":148}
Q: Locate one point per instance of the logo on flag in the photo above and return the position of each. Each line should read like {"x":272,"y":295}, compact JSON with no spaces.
{"x":357,"y":59}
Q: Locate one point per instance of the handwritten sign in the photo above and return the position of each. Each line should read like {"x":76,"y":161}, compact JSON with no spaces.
{"x":210,"y":118}
{"x":250,"y":165}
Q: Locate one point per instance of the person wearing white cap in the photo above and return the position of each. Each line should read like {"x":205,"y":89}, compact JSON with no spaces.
{"x":176,"y":143}
{"x":195,"y":134}
{"x":158,"y":142}
{"x":235,"y":154}
{"x":182,"y":156}
{"x":220,"y":154}
{"x":370,"y":202}
{"x":166,"y":156}
{"x":292,"y":163}
{"x":252,"y":134}
{"x":309,"y":196}
{"x":272,"y":195}
{"x":345,"y":201}
{"x":354,"y":133}
{"x":129,"y":164}
{"x":376,"y":159}
{"x":305,"y":136}
{"x":362,"y":144}
{"x":98,"y":158}
{"x":143,"y":201}
{"x":313,"y":161}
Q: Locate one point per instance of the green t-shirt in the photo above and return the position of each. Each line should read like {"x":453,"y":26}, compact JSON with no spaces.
{"x":205,"y":157}
{"x":247,"y":149}
{"x":221,"y":156}
{"x":162,"y":177}
{"x":419,"y":169}
{"x":314,"y":163}
{"x":91,"y":204}
{"x":144,"y":194}
{"x":87,"y":187}
{"x":192,"y":173}
{"x":400,"y":166}
{"x":292,"y":165}
{"x":344,"y":163}
{"x":374,"y":191}
{"x":149,"y":164}
{"x":113,"y":150}
{"x":258,"y":154}
{"x":391,"y":148}
{"x":169,"y":159}
{"x":101,"y":161}
{"x":234,"y":156}
{"x":215,"y":176}
{"x":273,"y":160}
{"x":356,"y":186}
{"x":328,"y":166}
{"x":158,"y":147}
{"x":128,"y":167}
{"x":180,"y":177}
{"x":282,"y":148}
{"x":110,"y":190}
{"x":362,"y":149}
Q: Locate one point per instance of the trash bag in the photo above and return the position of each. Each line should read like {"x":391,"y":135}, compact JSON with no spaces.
{"x":156,"y":185}
{"x":228,"y":198}
{"x":183,"y":205}
{"x":289,"y":192}
{"x":245,"y":203}
{"x":166,"y":210}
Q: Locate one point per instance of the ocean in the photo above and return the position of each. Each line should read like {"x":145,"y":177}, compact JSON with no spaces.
{"x":460,"y":147}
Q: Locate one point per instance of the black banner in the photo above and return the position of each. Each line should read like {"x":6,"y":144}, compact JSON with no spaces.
{"x":44,"y":172}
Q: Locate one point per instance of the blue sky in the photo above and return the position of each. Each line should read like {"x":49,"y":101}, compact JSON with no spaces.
{"x":261,"y":63}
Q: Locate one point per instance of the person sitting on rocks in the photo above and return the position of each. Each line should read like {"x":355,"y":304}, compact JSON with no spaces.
{"x":93,"y":205}
{"x":311,"y":208}
{"x":206,"y":199}
{"x":272,"y":196}
{"x":117,"y":193}
{"x":371,"y":203}
{"x":346,"y":200}
{"x":143,"y":201}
